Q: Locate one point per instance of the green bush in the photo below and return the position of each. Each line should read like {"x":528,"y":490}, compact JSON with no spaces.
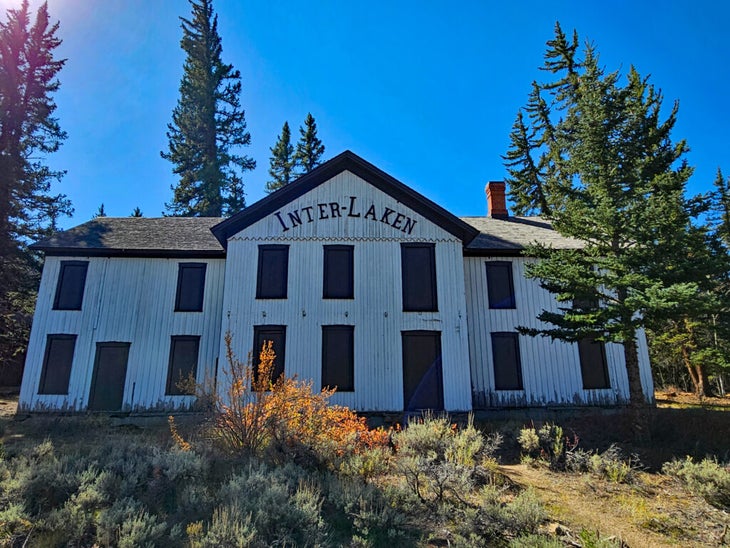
{"x":228,"y":527}
{"x":614,"y":466}
{"x":440,"y":461}
{"x":708,"y":479}
{"x":545,"y":445}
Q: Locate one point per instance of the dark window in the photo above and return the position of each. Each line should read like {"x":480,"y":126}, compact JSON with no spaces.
{"x":338,"y":272}
{"x":70,"y":288}
{"x":338,"y":357}
{"x":277,"y":335}
{"x":507,"y":367}
{"x":418,"y":263}
{"x":57,"y":364}
{"x":183,"y":365}
{"x":500,"y":287}
{"x":272,"y":272}
{"x":190,"y":287}
{"x":593,"y":366}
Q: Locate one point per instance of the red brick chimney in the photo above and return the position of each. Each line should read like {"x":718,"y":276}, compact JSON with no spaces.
{"x":496,"y":201}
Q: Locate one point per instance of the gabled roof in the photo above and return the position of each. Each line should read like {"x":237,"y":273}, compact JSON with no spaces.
{"x":346,"y":161}
{"x":511,"y":235}
{"x":137,"y":237}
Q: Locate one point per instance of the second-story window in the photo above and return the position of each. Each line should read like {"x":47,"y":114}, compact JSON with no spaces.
{"x":273,"y":272}
{"x":190,"y":287}
{"x":339,"y":277}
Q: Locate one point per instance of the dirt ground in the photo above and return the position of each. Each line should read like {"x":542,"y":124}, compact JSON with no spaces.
{"x":655,"y":511}
{"x":678,"y":398}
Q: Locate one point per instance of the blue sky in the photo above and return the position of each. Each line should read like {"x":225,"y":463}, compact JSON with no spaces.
{"x":426,"y":91}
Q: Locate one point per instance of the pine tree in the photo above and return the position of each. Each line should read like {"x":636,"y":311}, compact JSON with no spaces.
{"x":282,"y":161}
{"x":614,"y":180}
{"x":309,"y":147}
{"x":208,"y":125}
{"x":28,"y":132}
{"x":101,"y":212}
{"x":137,"y":212}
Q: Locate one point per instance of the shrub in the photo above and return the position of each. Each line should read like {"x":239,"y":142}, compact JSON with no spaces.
{"x":707,"y":478}
{"x":282,"y":419}
{"x":614,"y":466}
{"x":545,"y":445}
{"x":439,"y":461}
{"x":228,"y":527}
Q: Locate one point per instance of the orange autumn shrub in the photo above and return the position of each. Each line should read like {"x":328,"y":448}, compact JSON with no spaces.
{"x":283,"y":419}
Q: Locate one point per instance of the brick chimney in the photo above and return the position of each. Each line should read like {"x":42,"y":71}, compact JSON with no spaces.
{"x":496,"y":201}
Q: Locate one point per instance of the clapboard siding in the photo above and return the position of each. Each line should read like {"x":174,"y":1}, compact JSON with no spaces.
{"x":376,"y":310}
{"x":125,"y":300}
{"x":550,"y":369}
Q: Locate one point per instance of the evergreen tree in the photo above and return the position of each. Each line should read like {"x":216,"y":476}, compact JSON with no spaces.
{"x":613,"y":180}
{"x":309,"y":147}
{"x":208,"y":125}
{"x":137,"y":212}
{"x":282,"y":161}
{"x":101,"y":212}
{"x":28,"y":132}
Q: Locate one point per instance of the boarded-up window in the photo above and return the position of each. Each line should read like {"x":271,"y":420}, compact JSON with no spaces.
{"x":273,"y":270}
{"x":183,"y":368}
{"x":57,"y":364}
{"x":338,"y":357}
{"x":593,"y":366}
{"x":338,"y":272}
{"x":507,"y":366}
{"x":190,"y":287}
{"x":418,"y":266}
{"x":277,"y":335}
{"x":70,"y":287}
{"x":500,"y":286}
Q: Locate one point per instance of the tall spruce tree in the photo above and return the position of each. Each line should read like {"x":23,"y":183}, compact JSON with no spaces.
{"x":28,"y":133}
{"x":612,"y":179}
{"x":281,"y":163}
{"x":309,"y":148}
{"x":208,"y":125}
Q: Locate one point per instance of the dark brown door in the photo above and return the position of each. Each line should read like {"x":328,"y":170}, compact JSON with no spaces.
{"x":110,"y":374}
{"x":422,"y":371}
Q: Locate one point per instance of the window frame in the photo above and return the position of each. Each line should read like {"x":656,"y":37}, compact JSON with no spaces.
{"x":515,"y":337}
{"x":407,"y":283}
{"x":43,"y":389}
{"x":328,"y":291}
{"x":200,"y":289}
{"x":494,"y":303}
{"x":63,"y":286}
{"x":171,"y":388}
{"x":348,"y":363}
{"x":263,"y":275}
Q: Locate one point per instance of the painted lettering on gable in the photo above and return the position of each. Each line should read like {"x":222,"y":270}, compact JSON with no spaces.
{"x":349,"y":208}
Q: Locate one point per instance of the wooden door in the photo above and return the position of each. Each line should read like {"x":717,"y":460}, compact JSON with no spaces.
{"x":422,"y":371}
{"x":110,"y":374}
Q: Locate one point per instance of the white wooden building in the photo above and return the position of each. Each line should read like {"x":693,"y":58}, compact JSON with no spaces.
{"x":361,"y":282}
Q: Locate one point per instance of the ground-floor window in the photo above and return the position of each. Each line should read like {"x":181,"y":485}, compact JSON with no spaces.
{"x":183,"y":367}
{"x":506,"y":359}
{"x":57,"y":361}
{"x":338,"y":357}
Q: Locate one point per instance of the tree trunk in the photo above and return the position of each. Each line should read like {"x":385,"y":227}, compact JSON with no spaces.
{"x":638,"y":407}
{"x":631,"y":355}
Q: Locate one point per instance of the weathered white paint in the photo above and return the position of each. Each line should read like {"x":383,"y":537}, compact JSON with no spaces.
{"x":125,"y":300}
{"x":550,"y":369}
{"x":376,"y":311}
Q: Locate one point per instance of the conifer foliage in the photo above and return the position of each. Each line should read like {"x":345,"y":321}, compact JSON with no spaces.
{"x":309,"y":148}
{"x":281,"y":163}
{"x":28,"y":132}
{"x":591,"y":152}
{"x":208,"y":125}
